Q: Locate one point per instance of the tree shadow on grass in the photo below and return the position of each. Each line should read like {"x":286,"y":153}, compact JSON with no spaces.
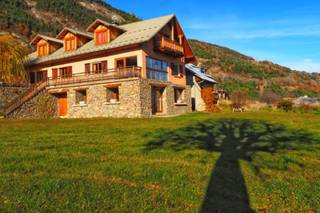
{"x":235,"y":139}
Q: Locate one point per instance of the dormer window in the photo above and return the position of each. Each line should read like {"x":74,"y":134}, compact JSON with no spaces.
{"x":104,"y":32}
{"x":45,"y":44}
{"x":70,"y":44}
{"x":101,"y":36}
{"x":73,"y":39}
{"x":43,"y":49}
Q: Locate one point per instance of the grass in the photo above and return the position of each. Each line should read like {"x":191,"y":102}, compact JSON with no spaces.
{"x":197,"y":162}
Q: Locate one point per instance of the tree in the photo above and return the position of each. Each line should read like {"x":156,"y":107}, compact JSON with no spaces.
{"x":12,"y":54}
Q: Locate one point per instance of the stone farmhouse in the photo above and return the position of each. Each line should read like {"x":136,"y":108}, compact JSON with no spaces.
{"x":131,"y":70}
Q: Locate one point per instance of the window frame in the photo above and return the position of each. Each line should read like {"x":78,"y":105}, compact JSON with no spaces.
{"x":83,"y":98}
{"x":179,"y":99}
{"x":72,"y":42}
{"x":114,"y":89}
{"x":43,"y":50}
{"x":101,"y":32}
{"x":153,"y":72}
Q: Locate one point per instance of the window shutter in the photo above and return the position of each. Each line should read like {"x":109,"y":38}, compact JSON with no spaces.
{"x":87,"y":68}
{"x":69,"y":71}
{"x":54,"y":73}
{"x":104,"y":66}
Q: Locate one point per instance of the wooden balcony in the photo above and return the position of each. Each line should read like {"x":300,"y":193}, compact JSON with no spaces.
{"x":170,"y":47}
{"x":110,"y":74}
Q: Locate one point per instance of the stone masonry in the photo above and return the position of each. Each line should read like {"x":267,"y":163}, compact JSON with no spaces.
{"x":134,"y":101}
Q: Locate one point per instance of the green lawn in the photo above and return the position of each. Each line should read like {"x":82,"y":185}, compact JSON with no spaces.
{"x":237,"y":162}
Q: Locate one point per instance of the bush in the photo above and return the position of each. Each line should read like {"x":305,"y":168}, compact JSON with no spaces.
{"x":239,"y":99}
{"x":270,"y":98}
{"x":285,"y":105}
{"x":308,"y":108}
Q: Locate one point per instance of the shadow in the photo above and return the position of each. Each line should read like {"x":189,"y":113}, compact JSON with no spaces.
{"x":235,"y":139}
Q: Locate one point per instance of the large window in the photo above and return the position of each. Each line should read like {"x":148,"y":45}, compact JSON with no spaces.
{"x":157,"y":69}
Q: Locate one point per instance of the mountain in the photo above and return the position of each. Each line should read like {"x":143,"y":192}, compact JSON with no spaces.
{"x":233,"y":70}
{"x":27,"y":17}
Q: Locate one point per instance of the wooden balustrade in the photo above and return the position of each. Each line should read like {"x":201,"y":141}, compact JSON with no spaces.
{"x":170,"y":47}
{"x":119,"y":73}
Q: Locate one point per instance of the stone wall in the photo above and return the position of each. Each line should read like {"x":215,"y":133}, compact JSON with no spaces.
{"x":134,"y":101}
{"x":43,"y":105}
{"x":9,"y":93}
{"x":175,"y":108}
{"x":130,"y":102}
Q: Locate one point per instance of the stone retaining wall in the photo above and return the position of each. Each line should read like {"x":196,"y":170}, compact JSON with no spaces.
{"x":43,"y":105}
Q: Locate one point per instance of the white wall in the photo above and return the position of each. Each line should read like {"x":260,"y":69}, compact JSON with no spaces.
{"x":79,"y":66}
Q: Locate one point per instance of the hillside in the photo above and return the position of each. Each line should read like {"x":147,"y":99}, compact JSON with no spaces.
{"x":27,"y":17}
{"x":234,"y":71}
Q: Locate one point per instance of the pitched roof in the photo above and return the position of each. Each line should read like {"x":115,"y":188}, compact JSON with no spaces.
{"x":47,"y":38}
{"x":135,"y":33}
{"x":73,"y":31}
{"x":200,"y":72}
{"x":99,"y":21}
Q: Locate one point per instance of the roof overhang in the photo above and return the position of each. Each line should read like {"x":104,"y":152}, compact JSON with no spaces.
{"x":39,"y":37}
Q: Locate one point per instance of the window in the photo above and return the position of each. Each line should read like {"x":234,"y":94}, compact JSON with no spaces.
{"x":177,"y":69}
{"x":81,"y":97}
{"x":126,"y":62}
{"x":112,"y":94}
{"x":131,"y":61}
{"x":179,"y":95}
{"x":69,"y":44}
{"x":42,"y":75}
{"x":157,"y":69}
{"x":42,"y":50}
{"x":101,"y":37}
{"x":66,"y":72}
{"x":97,"y":68}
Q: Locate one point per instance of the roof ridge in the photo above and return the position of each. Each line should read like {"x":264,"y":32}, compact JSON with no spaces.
{"x":152,"y":19}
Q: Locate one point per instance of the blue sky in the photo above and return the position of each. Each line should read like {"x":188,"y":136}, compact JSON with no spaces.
{"x":286,"y":32}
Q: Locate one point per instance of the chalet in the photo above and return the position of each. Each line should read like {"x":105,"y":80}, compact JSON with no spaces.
{"x":131,"y":70}
{"x":203,"y":93}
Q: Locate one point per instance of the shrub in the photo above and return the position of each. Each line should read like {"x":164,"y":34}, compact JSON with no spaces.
{"x":270,"y":98}
{"x":239,"y":98}
{"x":285,"y":105}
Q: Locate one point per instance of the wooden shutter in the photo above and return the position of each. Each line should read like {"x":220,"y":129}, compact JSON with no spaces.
{"x":87,"y":69}
{"x":69,"y":71}
{"x":54,"y":73}
{"x":104,"y":66}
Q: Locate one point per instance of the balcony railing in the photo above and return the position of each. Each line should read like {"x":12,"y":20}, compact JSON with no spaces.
{"x":119,"y":73}
{"x":170,"y":47}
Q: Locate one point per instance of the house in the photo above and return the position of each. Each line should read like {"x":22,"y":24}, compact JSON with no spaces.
{"x":203,"y":95}
{"x":131,"y":70}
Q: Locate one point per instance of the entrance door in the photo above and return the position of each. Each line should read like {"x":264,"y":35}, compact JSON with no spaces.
{"x":157,"y":100}
{"x":63,"y":104}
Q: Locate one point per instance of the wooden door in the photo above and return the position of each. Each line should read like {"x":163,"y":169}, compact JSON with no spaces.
{"x":63,"y":104}
{"x":156,"y":100}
